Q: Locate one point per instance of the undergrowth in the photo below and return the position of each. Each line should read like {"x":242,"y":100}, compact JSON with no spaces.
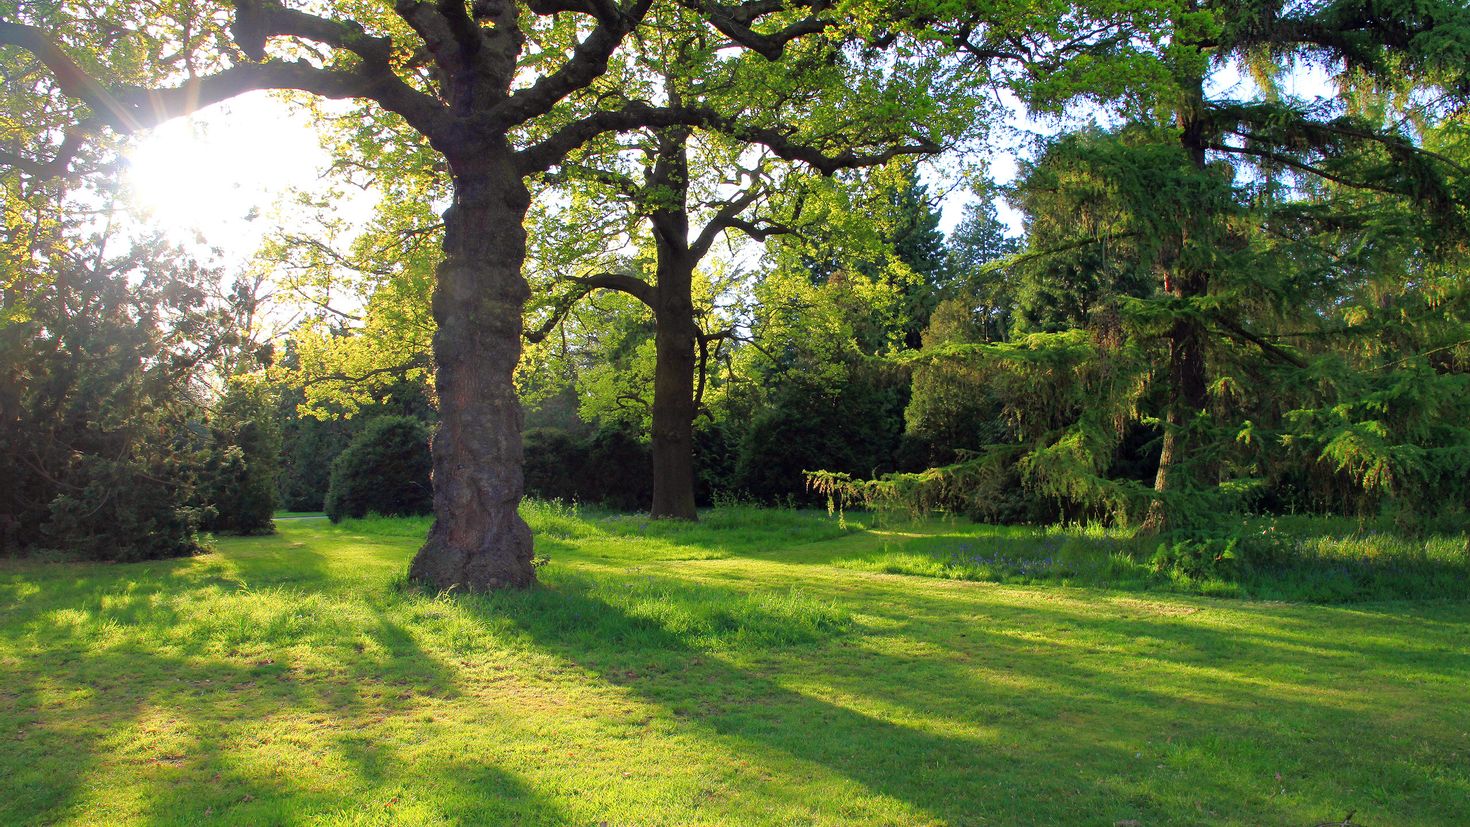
{"x":1318,"y":562}
{"x":1301,"y":559}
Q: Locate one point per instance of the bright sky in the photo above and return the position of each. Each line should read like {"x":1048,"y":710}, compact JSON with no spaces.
{"x":219,"y":177}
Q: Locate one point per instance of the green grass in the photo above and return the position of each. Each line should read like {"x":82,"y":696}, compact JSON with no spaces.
{"x":756,"y":668}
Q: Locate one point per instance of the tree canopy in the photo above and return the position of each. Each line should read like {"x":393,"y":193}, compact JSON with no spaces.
{"x":717,"y":228}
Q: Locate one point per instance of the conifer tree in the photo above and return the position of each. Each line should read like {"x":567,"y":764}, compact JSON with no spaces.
{"x":1187,"y":206}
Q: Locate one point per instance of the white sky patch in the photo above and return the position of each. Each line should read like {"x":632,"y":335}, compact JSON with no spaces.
{"x":1012,"y":141}
{"x":221,"y":179}
{"x":217,"y":178}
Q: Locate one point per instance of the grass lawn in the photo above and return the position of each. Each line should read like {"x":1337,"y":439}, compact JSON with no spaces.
{"x":762,"y":667}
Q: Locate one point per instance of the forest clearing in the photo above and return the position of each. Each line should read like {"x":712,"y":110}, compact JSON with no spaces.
{"x":735,"y":412}
{"x":748,"y":670}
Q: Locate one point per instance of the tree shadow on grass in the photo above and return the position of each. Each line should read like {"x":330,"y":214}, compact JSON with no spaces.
{"x":754,"y":714}
{"x":1018,"y":555}
{"x":122,"y":697}
{"x":1411,"y":634}
{"x":1002,"y":727}
{"x":1355,"y":705}
{"x":751,"y":711}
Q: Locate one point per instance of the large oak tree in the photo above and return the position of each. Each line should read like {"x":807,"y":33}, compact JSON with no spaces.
{"x":503,"y":91}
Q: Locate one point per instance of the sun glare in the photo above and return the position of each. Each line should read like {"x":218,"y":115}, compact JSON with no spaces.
{"x":211,"y":177}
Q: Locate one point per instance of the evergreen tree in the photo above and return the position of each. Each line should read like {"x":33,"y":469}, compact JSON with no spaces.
{"x":917,"y":242}
{"x":100,"y":418}
{"x":1193,"y":196}
{"x":238,"y":482}
{"x":978,"y":242}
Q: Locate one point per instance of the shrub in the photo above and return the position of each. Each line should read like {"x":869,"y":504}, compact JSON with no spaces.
{"x":611,"y":467}
{"x":555,"y":459}
{"x":1210,"y":558}
{"x":852,"y":427}
{"x":384,"y":470}
{"x":240,"y":496}
{"x":619,"y":469}
{"x":121,"y":510}
{"x":309,"y":447}
{"x":309,"y":444}
{"x":716,"y":450}
{"x":238,"y":485}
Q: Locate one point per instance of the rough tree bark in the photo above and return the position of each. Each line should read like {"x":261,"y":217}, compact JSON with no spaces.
{"x":673,"y":401}
{"x":478,"y":540}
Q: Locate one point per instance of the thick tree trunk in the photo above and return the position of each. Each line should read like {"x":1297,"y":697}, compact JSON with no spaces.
{"x":479,"y":540}
{"x":673,"y":392}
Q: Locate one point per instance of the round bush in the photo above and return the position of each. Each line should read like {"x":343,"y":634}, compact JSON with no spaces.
{"x":384,"y":470}
{"x":555,"y":466}
{"x":619,"y":469}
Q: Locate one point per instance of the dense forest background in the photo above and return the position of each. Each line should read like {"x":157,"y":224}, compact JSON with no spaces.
{"x":1226,"y":296}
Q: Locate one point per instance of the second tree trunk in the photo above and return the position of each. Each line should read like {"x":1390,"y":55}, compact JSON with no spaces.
{"x":673,"y":392}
